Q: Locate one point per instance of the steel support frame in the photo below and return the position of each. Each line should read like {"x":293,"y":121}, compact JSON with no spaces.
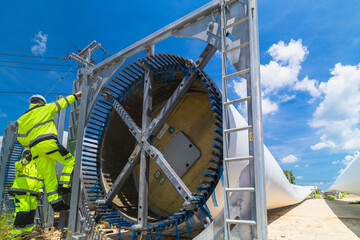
{"x":157,"y":122}
{"x":9,"y":139}
{"x":144,"y":158}
{"x":94,"y":79}
{"x":259,"y":161}
{"x":91,"y":86}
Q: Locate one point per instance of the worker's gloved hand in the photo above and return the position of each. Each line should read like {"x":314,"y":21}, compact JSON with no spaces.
{"x":24,"y":161}
{"x":40,"y":195}
{"x":78,"y":94}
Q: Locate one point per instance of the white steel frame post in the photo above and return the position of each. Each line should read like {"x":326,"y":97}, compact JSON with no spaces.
{"x":259,"y":160}
{"x":256,"y":188}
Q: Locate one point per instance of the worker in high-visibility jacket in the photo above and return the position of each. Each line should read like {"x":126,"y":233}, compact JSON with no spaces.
{"x":27,"y":190}
{"x":37,"y":132}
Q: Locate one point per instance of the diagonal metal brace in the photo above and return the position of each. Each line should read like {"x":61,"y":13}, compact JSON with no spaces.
{"x":180,"y":91}
{"x":134,"y":129}
{"x":158,"y":157}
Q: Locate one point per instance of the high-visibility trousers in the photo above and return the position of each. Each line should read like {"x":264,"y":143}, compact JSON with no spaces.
{"x":25,"y":206}
{"x":48,"y":153}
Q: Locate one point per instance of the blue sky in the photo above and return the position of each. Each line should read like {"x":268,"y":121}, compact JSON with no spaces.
{"x":309,"y":55}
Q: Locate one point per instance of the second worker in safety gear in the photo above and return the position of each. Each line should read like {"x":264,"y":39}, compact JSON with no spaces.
{"x":27,"y":190}
{"x":37,"y":132}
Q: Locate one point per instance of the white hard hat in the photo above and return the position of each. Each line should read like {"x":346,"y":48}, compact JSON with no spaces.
{"x":37,"y":98}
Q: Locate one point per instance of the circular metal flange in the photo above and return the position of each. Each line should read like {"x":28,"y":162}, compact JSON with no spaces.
{"x":108,"y":140}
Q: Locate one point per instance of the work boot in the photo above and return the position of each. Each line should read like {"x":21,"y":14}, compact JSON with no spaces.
{"x":63,"y":190}
{"x":60,"y":206}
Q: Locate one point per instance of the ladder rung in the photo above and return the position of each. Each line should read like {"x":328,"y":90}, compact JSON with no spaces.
{"x":236,"y":23}
{"x":237,"y":101}
{"x":237,"y":73}
{"x":242,"y":189}
{"x":247,"y":222}
{"x":237,"y":47}
{"x":237,"y":129}
{"x":238,"y":159}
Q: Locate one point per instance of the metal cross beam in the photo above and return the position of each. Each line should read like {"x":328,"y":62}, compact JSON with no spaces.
{"x":153,"y":152}
{"x":158,"y":157}
{"x":157,"y":122}
{"x":144,"y":158}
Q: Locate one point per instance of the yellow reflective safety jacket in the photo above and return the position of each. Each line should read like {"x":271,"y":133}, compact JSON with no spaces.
{"x":27,"y":180}
{"x":37,"y":124}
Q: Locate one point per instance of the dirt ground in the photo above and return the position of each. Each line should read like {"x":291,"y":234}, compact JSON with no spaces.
{"x":313,"y":219}
{"x":316,"y":219}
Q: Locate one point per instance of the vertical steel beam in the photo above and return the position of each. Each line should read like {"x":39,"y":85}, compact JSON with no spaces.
{"x":261,"y":213}
{"x":225,"y":120}
{"x":75,"y":192}
{"x":3,"y":159}
{"x":9,"y":139}
{"x":144,"y":158}
{"x":47,"y":210}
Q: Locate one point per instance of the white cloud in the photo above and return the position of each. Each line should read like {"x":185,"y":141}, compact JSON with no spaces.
{"x":323,"y":144}
{"x":240,"y":87}
{"x":307,"y":165}
{"x":40,"y":47}
{"x":286,"y":98}
{"x":319,"y":183}
{"x":284,"y":69}
{"x":292,"y":54}
{"x":299,"y":177}
{"x":289,"y":159}
{"x":347,"y":159}
{"x":296,"y":166}
{"x":308,"y":85}
{"x":282,"y":73}
{"x":337,"y":117}
{"x":268,"y":106}
{"x":2,"y":114}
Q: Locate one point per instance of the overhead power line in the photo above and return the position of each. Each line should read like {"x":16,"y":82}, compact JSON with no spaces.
{"x":31,"y":56}
{"x":60,"y":80}
{"x":38,"y":69}
{"x":32,"y":63}
{"x":42,"y":93}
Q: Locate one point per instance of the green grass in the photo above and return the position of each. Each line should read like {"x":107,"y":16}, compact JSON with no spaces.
{"x":6,"y":224}
{"x":330,"y":198}
{"x":354,"y":202}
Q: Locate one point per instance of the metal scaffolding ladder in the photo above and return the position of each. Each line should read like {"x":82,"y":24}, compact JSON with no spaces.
{"x":251,"y":74}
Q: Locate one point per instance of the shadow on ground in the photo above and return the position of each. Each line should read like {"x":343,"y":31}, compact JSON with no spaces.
{"x":274,"y":214}
{"x":349,"y":214}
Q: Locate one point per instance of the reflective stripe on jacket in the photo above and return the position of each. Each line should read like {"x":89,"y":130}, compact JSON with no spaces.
{"x":27,"y":180}
{"x":37,"y":124}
